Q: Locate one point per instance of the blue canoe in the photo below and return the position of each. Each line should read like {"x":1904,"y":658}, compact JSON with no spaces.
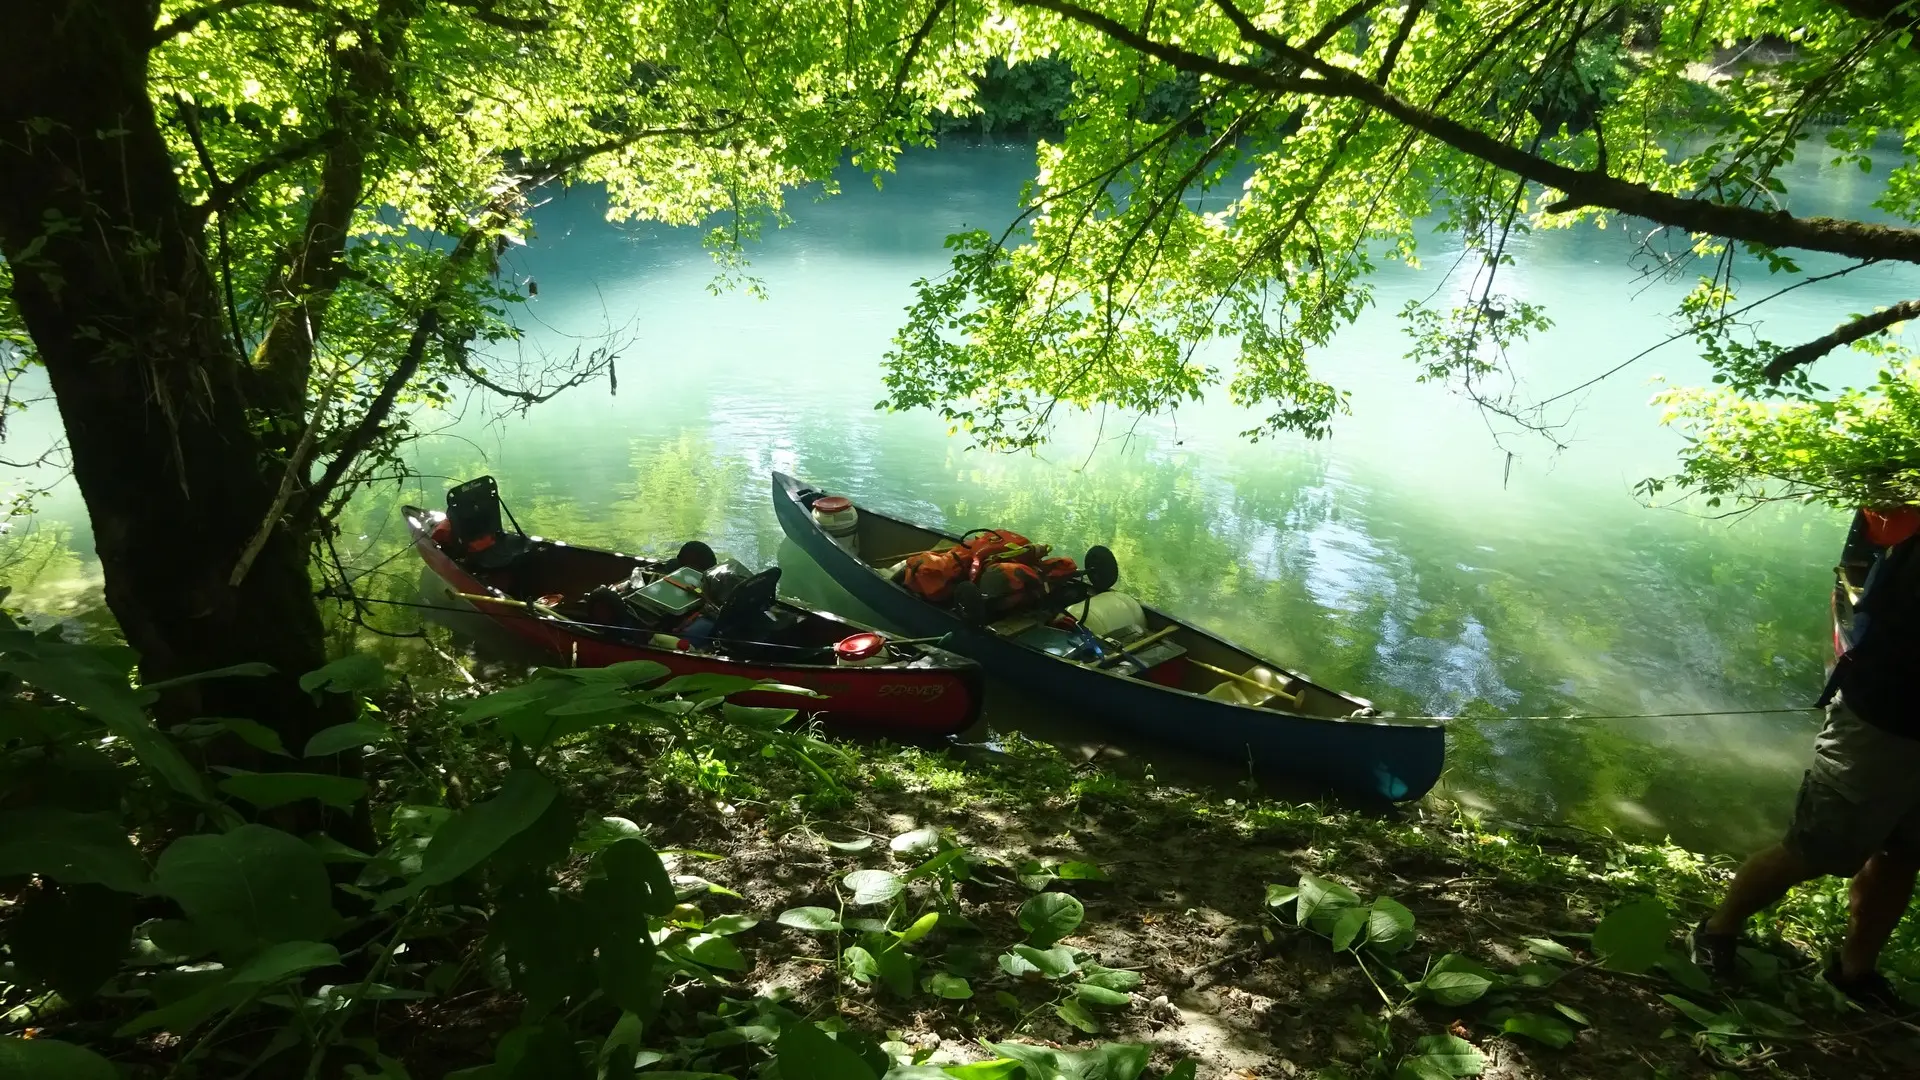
{"x":1304,"y":732}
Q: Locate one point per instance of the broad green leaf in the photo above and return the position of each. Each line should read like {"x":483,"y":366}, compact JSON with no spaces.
{"x":1108,"y":1061}
{"x":728,"y":925}
{"x":1320,"y":901}
{"x":873,"y":886}
{"x":804,"y":1052}
{"x":1054,"y":963}
{"x":1686,"y":972}
{"x":73,"y":849}
{"x":918,"y":843}
{"x":859,"y":844}
{"x":936,"y":864}
{"x":714,"y":951}
{"x":345,"y":737}
{"x":997,"y":1069}
{"x":634,"y":871}
{"x":1540,"y":1028}
{"x":1389,"y":926}
{"x":861,"y":965}
{"x":1282,"y":895}
{"x":1572,"y":1014}
{"x":252,"y":732}
{"x":473,"y":834}
{"x":354,"y":673}
{"x":248,"y":670}
{"x":1706,"y":1018}
{"x":1455,"y":1055}
{"x":1456,"y":980}
{"x":1049,"y":917}
{"x":951,"y":987}
{"x":1101,"y":996}
{"x":1549,"y":949}
{"x":247,"y":889}
{"x":1349,"y":928}
{"x":816,"y":919}
{"x":1095,"y":975}
{"x":271,"y":789}
{"x":602,"y":832}
{"x":1017,"y":966}
{"x":1633,"y":937}
{"x":1080,"y":871}
{"x":50,"y":1059}
{"x":1076,"y":1015}
{"x":921,"y":927}
{"x":709,"y":685}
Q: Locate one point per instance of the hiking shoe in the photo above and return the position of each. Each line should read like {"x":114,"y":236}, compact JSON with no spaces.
{"x":1717,"y":954}
{"x":1869,"y":991}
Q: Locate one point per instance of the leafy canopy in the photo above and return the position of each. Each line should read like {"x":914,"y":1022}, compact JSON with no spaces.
{"x":1234,"y":172}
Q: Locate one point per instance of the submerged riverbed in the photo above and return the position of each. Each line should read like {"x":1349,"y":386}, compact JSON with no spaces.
{"x":1415,"y":557}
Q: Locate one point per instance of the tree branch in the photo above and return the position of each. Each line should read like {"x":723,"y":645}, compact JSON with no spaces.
{"x":1392,"y":57}
{"x":1863,"y":326}
{"x":487,"y":13}
{"x":188,"y":21}
{"x":368,"y":429}
{"x":1340,"y":22}
{"x":1582,"y":188}
{"x":222,"y":194}
{"x":914,"y":45}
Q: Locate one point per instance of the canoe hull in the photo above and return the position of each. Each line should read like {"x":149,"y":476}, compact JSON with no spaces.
{"x":921,"y":702}
{"x":1366,"y":758}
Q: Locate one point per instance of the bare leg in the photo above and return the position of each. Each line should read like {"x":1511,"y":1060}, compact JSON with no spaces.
{"x":1763,"y":879}
{"x":1880,"y":894}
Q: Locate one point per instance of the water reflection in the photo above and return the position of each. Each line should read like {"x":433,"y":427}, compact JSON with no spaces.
{"x":1407,"y":559}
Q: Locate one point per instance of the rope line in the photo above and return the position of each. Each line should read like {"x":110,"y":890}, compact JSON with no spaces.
{"x":811,"y":648}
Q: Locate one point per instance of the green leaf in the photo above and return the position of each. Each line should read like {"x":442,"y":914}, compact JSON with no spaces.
{"x":1054,"y":963}
{"x":997,"y":1069}
{"x":1539,"y":1028}
{"x":1016,"y":965}
{"x":1320,"y":902}
{"x":637,"y":875}
{"x":951,"y":987}
{"x":252,"y":732}
{"x":1076,"y":1015}
{"x":73,"y":849}
{"x":714,"y":951}
{"x":248,"y":889}
{"x":268,"y":790}
{"x":729,"y":925}
{"x":1572,"y":1014}
{"x":806,"y":1053}
{"x":1633,"y":937}
{"x":50,"y":1059}
{"x":345,"y":737}
{"x":1549,"y":949}
{"x":917,"y":843}
{"x":1095,"y":975}
{"x":708,"y":685}
{"x":1080,"y":871}
{"x":354,"y":673}
{"x":921,"y":927}
{"x":1456,"y":980}
{"x":1389,"y":926}
{"x":248,"y":670}
{"x":850,"y":846}
{"x":1454,"y":1055}
{"x":861,"y":965}
{"x":936,"y":864}
{"x":815,"y":919}
{"x":472,"y":835}
{"x":603,"y":832}
{"x":1282,"y":895}
{"x":1687,"y":973}
{"x":1101,"y":996}
{"x":1348,"y":927}
{"x":873,"y":886}
{"x":1706,"y":1018}
{"x":1049,"y":917}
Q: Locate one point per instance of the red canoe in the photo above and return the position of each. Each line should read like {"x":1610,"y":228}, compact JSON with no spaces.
{"x":555,"y":597}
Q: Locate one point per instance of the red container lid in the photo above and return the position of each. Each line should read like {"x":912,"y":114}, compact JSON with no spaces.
{"x":832,"y":504}
{"x":1890,"y":525}
{"x":864,"y":646}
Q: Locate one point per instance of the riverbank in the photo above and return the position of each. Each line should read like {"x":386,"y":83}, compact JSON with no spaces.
{"x":1193,"y":897}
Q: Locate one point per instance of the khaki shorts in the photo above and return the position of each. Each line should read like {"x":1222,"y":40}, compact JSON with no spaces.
{"x":1861,"y":797}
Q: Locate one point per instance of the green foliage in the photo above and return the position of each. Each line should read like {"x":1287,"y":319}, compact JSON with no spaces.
{"x":1224,"y":187}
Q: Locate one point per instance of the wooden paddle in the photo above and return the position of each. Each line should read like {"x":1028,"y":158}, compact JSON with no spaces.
{"x":1291,"y":699}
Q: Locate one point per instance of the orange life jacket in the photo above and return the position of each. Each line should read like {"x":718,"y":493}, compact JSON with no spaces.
{"x":1009,"y":586}
{"x":932,"y":575}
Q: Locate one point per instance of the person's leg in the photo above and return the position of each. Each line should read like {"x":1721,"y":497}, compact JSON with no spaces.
{"x":1760,"y":882}
{"x":1880,"y":894}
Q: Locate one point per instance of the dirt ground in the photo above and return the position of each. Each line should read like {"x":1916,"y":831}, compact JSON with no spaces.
{"x":1225,"y":981}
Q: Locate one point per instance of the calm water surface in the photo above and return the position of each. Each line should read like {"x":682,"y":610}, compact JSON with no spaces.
{"x":1408,"y":557}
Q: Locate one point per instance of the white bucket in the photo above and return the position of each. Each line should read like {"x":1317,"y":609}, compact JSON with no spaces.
{"x":838,"y":519}
{"x":1112,"y":615}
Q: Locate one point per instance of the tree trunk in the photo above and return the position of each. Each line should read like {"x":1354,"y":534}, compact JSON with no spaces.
{"x":112,"y":280}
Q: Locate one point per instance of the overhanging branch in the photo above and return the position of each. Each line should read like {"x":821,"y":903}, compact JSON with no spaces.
{"x":188,"y":21}
{"x":1864,"y":326}
{"x":1581,"y":187}
{"x":486,"y":12}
